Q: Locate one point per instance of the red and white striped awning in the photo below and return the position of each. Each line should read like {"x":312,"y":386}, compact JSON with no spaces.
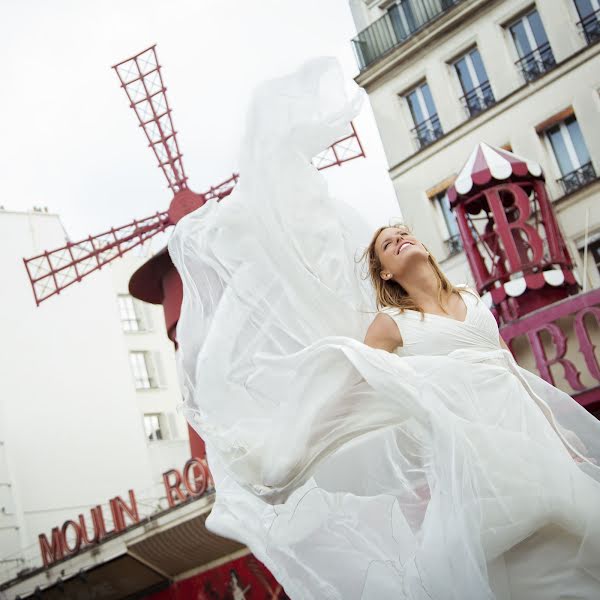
{"x":488,"y":163}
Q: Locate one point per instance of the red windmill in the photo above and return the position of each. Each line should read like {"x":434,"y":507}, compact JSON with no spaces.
{"x":157,"y":281}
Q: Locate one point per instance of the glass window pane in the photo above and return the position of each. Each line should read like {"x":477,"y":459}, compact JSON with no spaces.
{"x":449,"y":217}
{"x":152,"y":427}
{"x":397,"y":23}
{"x":539,"y":33}
{"x":148,"y":426}
{"x":595,"y":250}
{"x":128,"y":313}
{"x":463,"y":74}
{"x":139,"y":369}
{"x":415,"y":108}
{"x":584,"y":8}
{"x":407,"y":11}
{"x":428,"y":100}
{"x":520,"y":38}
{"x":478,"y":66}
{"x":560,"y":150}
{"x":578,"y":142}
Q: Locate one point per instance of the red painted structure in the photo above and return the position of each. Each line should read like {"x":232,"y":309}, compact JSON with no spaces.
{"x":193,"y":481}
{"x":510,"y":234}
{"x":521,"y":264}
{"x":243,"y":577}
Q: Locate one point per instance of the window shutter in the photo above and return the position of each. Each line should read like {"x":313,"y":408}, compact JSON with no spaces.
{"x":163,"y":433}
{"x":157,"y":368}
{"x":173,"y":430}
{"x":146,"y":316}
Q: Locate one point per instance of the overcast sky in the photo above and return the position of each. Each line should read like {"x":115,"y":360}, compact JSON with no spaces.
{"x":70,"y":141}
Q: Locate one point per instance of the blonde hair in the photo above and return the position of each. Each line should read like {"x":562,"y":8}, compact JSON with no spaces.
{"x":389,"y":293}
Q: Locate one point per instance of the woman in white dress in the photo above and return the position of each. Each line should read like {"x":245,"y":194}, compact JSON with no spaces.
{"x":424,"y":463}
{"x":410,"y":288}
{"x":405,"y":275}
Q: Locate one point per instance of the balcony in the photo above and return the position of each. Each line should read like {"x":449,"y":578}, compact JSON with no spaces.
{"x":387,"y":33}
{"x":427,"y":132}
{"x":453,"y":245}
{"x":578,"y":178}
{"x":478,"y":99}
{"x":536,"y":63}
{"x":589,"y":27}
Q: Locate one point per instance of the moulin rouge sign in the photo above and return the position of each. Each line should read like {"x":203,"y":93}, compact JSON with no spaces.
{"x":192,"y":481}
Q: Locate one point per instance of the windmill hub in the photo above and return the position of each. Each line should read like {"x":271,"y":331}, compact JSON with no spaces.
{"x":185,"y":201}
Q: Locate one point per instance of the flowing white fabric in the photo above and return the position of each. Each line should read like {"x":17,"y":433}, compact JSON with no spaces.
{"x":442,"y":471}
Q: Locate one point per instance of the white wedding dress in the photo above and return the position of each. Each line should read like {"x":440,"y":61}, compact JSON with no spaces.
{"x":443,"y":471}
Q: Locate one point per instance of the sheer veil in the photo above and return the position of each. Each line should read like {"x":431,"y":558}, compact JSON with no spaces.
{"x":267,"y":273}
{"x":276,"y":379}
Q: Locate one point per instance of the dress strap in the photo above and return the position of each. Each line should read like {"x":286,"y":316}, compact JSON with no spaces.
{"x":393,"y":311}
{"x":465,"y":286}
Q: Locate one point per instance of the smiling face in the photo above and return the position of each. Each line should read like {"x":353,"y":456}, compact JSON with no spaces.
{"x":397,"y":249}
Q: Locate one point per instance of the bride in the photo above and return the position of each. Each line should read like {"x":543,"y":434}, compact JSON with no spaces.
{"x":368,"y":439}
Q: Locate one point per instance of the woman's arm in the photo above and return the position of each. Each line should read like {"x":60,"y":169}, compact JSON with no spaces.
{"x":383,"y":333}
{"x":502,"y":343}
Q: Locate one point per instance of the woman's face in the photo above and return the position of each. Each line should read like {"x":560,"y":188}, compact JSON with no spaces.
{"x":398,"y":249}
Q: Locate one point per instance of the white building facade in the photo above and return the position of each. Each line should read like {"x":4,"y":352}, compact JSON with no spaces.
{"x":445,"y":75}
{"x":89,"y":395}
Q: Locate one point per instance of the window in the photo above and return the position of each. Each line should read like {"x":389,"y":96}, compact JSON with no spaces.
{"x":427,"y":124}
{"x":152,"y":426}
{"x":452,"y":238}
{"x":131,"y":313}
{"x":594,"y":249}
{"x":589,"y":25}
{"x":145,"y":368}
{"x":402,"y":18}
{"x":589,"y":275}
{"x":532,"y":45}
{"x":571,"y":153}
{"x":408,"y":16}
{"x":473,"y":79}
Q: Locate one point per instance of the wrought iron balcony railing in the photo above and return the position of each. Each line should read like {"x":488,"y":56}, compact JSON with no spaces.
{"x":589,"y":27}
{"x":454,"y":245}
{"x":537,"y":62}
{"x":427,"y":132}
{"x":387,"y":32}
{"x":478,"y":99}
{"x":578,"y":178}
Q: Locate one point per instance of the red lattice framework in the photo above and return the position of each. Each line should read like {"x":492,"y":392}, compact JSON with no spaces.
{"x":142,"y":81}
{"x":52,"y":271}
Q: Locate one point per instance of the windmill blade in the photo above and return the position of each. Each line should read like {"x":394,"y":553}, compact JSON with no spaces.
{"x":141,"y":78}
{"x":53,"y":271}
{"x":345,"y":149}
{"x":225,"y":188}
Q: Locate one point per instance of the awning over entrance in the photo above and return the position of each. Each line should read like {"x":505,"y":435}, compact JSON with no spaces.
{"x":144,"y":558}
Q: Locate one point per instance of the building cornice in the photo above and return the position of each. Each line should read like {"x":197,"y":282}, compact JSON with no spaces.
{"x":370,"y":77}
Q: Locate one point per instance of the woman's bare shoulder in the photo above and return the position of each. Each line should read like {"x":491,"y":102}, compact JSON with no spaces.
{"x":383,"y":332}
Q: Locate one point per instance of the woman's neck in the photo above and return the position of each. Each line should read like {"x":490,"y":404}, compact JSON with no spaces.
{"x":422,"y":287}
